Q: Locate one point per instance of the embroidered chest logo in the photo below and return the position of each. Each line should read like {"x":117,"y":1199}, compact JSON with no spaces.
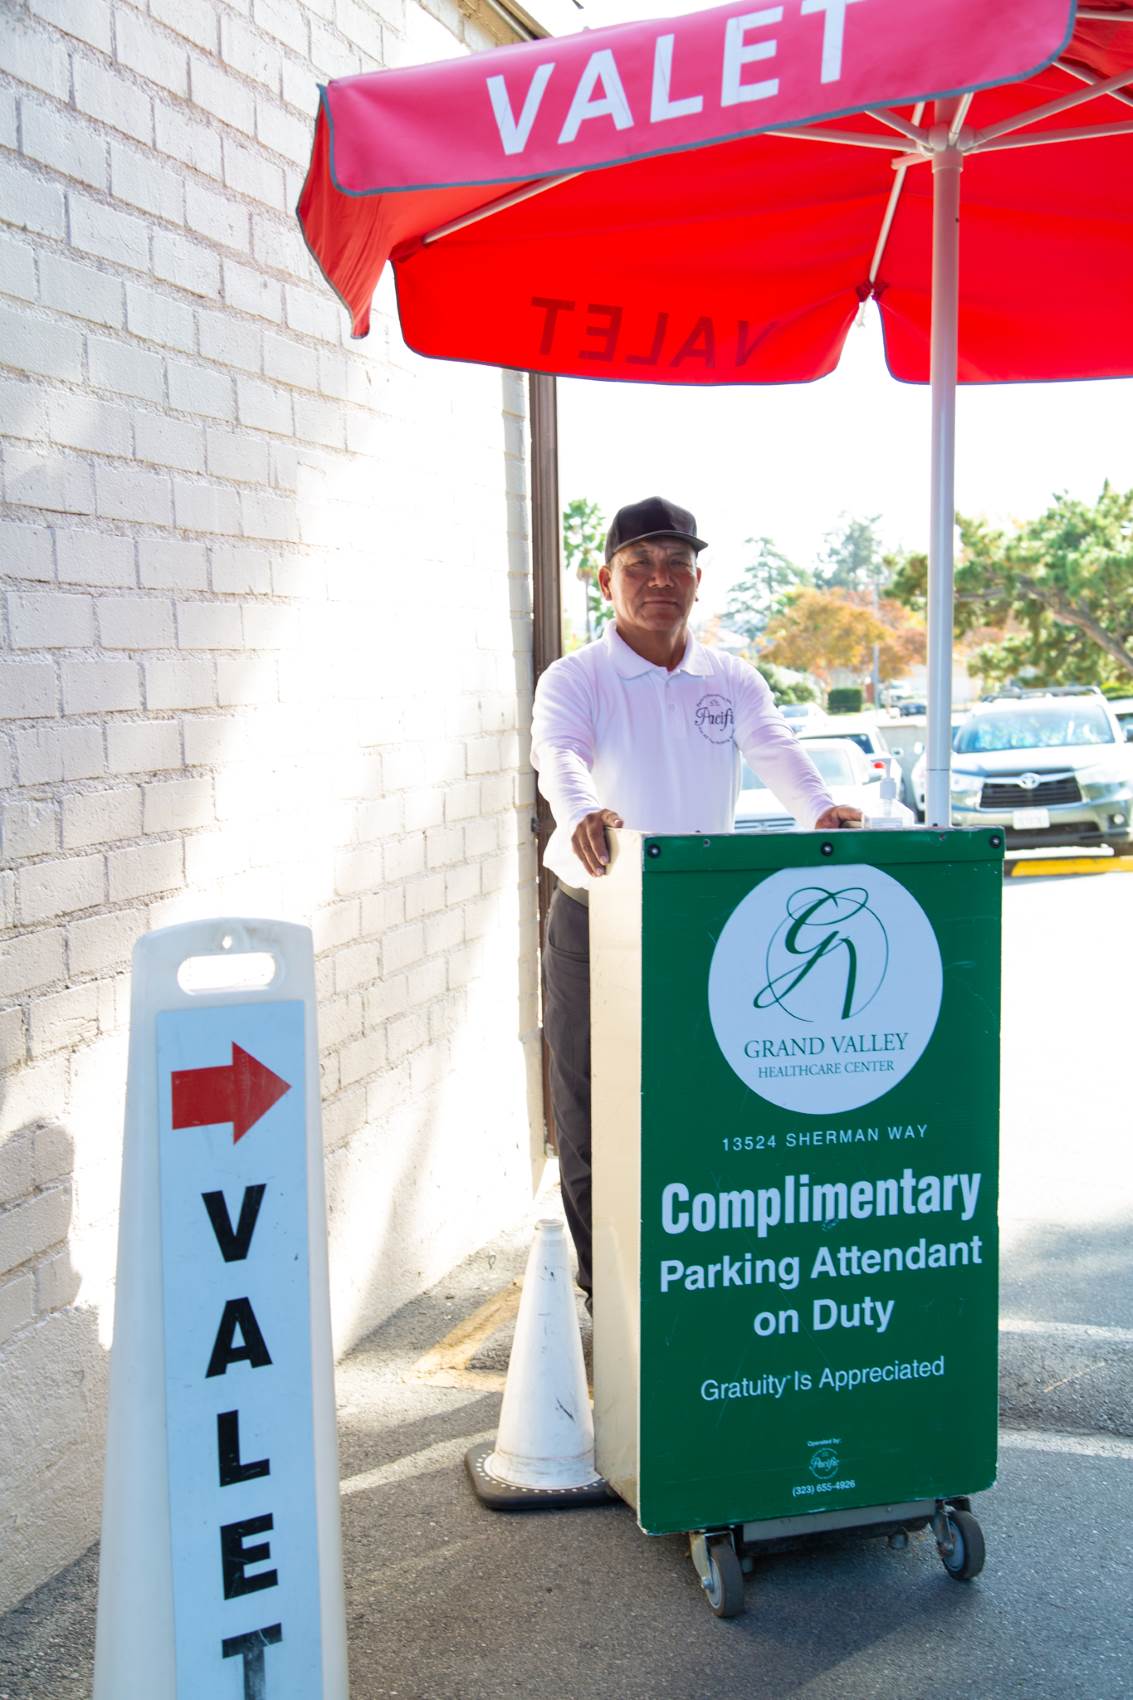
{"x":715,"y":720}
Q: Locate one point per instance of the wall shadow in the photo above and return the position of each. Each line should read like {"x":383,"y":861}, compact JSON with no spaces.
{"x":54,"y":1375}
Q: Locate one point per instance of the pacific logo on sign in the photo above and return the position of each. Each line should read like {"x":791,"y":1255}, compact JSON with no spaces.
{"x":823,"y":992}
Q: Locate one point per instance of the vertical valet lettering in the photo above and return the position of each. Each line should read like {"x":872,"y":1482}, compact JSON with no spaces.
{"x":236,"y":1555}
{"x":230,"y":1467}
{"x":234,"y":1216}
{"x":238,"y":1323}
{"x":250,"y":1648}
{"x":234,"y":1243}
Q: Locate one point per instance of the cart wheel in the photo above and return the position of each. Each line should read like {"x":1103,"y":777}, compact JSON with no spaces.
{"x":725,"y":1587}
{"x":966,"y":1558}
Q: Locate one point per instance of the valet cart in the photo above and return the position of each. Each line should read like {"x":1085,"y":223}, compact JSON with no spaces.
{"x":795,"y":1044}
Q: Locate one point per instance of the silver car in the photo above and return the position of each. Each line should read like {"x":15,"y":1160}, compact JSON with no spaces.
{"x":846,"y":773}
{"x":1050,"y":768}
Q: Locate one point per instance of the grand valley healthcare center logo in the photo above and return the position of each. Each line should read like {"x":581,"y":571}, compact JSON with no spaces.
{"x":825,"y":987}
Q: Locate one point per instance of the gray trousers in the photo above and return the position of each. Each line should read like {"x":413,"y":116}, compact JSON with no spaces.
{"x":566,"y":1028}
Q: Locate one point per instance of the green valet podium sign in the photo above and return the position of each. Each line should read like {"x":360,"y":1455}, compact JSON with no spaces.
{"x":795,"y":1063}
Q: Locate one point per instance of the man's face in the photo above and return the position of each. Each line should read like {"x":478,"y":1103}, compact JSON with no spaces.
{"x":652,"y":584}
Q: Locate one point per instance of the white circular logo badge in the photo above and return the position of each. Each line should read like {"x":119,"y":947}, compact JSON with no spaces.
{"x":825,"y":987}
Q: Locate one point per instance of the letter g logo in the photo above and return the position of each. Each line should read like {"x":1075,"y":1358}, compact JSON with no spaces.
{"x":806,"y":978}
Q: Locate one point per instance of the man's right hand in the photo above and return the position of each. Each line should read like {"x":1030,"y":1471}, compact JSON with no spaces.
{"x":589,"y":840}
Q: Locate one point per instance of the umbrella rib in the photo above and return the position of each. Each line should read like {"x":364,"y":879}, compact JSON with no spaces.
{"x":843,"y":138}
{"x":1063,"y":104}
{"x":896,"y":122}
{"x":1086,"y":133}
{"x":1100,"y":17}
{"x":1085,"y":76}
{"x":511,"y":200}
{"x":887,"y":224}
{"x":891,"y":209}
{"x":963,"y":107}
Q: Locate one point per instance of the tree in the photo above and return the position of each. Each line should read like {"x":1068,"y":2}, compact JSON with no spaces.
{"x":783,"y":689}
{"x":821,"y":630}
{"x":584,"y":551}
{"x":852,"y":558}
{"x":1057,"y":592}
{"x":760,"y":590}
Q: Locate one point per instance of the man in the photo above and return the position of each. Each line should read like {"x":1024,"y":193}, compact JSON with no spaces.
{"x":643,"y":728}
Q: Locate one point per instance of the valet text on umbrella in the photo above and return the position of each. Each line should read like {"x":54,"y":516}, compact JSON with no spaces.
{"x":752,"y":63}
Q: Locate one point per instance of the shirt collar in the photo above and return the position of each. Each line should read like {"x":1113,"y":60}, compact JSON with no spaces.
{"x":631,"y":665}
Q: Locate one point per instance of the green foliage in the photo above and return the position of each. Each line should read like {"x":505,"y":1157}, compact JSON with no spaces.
{"x":786,"y":690}
{"x":1057,"y":593}
{"x":584,"y":551}
{"x":845,"y":699}
{"x":761,"y":589}
{"x":584,"y":536}
{"x":909,"y":584}
{"x":598,"y":610}
{"x":852,"y":557}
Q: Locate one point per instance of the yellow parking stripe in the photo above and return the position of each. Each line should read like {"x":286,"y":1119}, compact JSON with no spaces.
{"x":1073,"y":865}
{"x":446,"y":1363}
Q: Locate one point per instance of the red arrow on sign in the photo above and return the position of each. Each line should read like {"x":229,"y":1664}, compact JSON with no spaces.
{"x":240,"y":1093}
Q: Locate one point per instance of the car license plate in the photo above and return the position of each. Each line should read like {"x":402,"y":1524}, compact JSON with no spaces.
{"x":1030,"y":820}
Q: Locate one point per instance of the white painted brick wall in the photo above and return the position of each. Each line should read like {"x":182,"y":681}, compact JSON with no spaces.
{"x":264,"y":602}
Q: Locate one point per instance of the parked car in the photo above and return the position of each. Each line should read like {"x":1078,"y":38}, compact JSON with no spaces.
{"x":804,"y":716}
{"x":1049,"y":767}
{"x":848,"y":776}
{"x":1123,"y":708}
{"x":862,"y":730}
{"x":918,"y":779}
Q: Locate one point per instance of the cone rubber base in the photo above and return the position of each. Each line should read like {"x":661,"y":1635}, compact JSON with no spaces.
{"x":502,"y":1496}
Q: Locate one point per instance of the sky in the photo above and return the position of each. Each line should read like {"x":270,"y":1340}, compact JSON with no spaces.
{"x":788,"y":462}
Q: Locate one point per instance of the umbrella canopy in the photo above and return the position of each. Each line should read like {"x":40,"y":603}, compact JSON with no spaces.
{"x":624,"y":204}
{"x":709,"y":199}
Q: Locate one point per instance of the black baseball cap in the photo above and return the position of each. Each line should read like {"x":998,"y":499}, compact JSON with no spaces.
{"x":654,"y":517}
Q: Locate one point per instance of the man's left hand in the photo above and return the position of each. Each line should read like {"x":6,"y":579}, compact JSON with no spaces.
{"x":838,"y":815}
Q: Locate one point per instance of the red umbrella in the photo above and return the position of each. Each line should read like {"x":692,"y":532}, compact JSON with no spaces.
{"x":709,"y":199}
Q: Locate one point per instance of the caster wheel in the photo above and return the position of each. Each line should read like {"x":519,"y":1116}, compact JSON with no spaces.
{"x":724,"y":1590}
{"x":966,"y":1557}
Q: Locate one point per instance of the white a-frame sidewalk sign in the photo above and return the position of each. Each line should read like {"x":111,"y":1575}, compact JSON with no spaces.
{"x":221,"y":1565}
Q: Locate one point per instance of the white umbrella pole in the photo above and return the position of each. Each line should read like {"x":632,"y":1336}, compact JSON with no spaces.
{"x":946,"y":166}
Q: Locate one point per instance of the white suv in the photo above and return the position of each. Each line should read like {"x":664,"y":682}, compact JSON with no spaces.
{"x":1049,"y":767}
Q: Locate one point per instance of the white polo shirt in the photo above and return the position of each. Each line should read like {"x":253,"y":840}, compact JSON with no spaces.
{"x":612,"y":731}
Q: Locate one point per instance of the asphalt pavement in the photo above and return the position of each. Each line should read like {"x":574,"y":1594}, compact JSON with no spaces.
{"x":449,"y":1601}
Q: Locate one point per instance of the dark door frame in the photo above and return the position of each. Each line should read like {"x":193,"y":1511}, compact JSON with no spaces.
{"x":547,"y":615}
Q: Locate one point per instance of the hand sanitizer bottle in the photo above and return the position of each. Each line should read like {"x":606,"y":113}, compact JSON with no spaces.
{"x":886,"y":817}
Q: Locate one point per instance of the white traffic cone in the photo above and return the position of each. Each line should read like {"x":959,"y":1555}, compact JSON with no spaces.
{"x":544,"y":1451}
